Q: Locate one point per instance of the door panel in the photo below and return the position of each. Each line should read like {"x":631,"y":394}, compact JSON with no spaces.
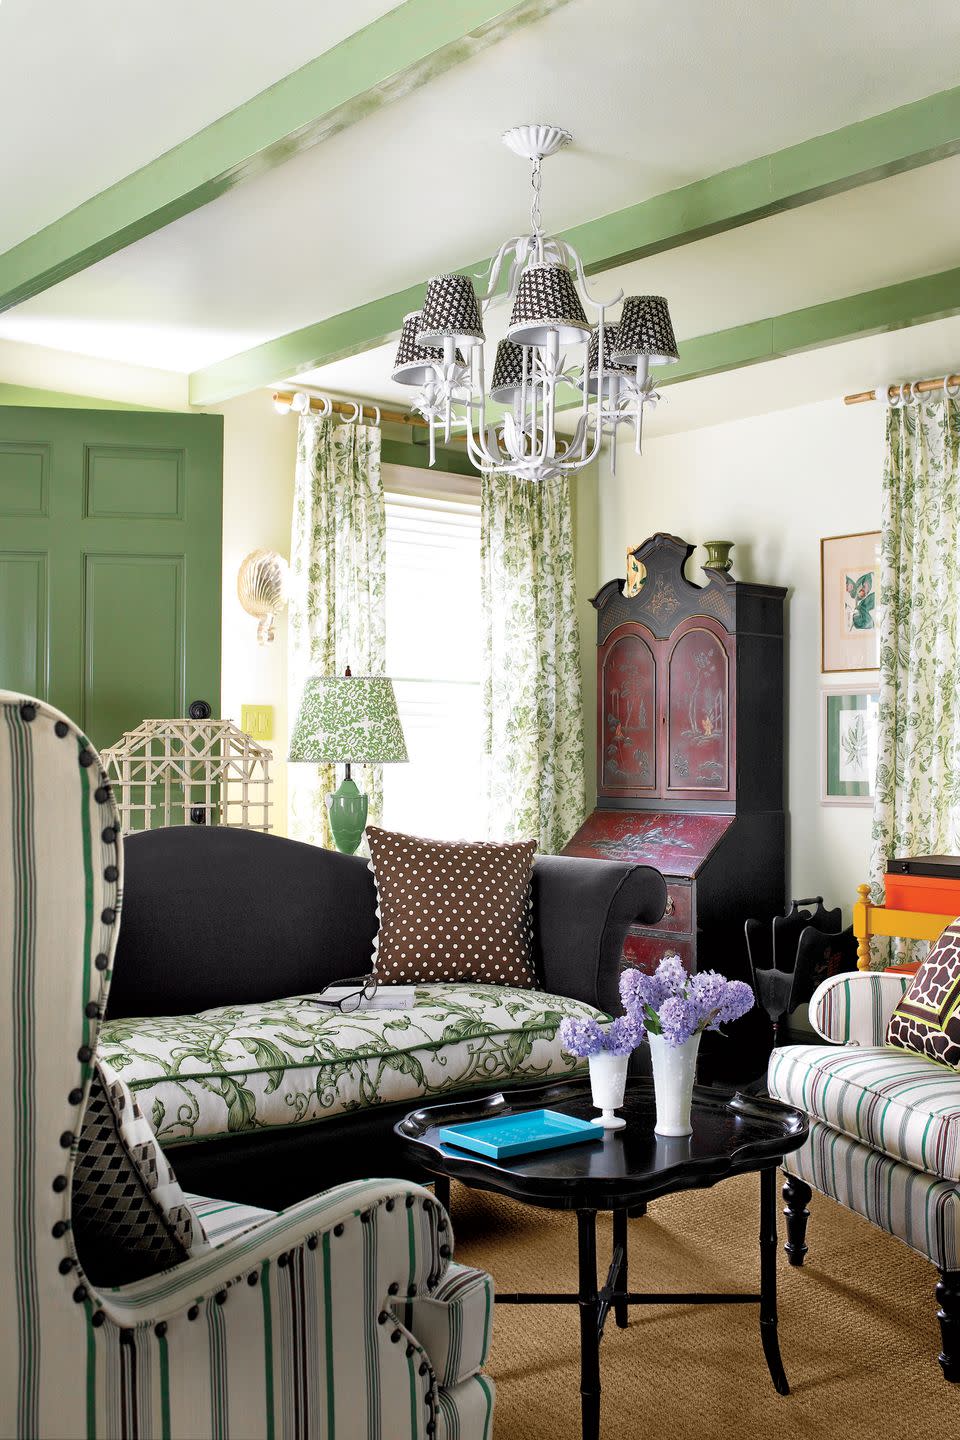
{"x":627,"y":719}
{"x":699,"y":711}
{"x":110,"y":554}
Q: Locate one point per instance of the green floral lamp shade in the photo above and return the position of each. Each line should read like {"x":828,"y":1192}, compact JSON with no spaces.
{"x":348,"y":719}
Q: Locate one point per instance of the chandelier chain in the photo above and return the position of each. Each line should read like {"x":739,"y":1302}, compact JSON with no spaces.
{"x":536,"y":181}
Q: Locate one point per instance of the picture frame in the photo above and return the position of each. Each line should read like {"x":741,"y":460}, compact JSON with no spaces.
{"x":849,"y":602}
{"x":849,"y":734}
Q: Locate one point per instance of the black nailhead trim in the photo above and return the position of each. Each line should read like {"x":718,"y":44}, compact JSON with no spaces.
{"x":445,"y":1251}
{"x":193,"y":1312}
{"x":59,"y":1229}
{"x":60,"y":1183}
{"x":252,"y":1278}
{"x":160,"y":1329}
{"x":66,"y":1139}
{"x":84,"y":1054}
{"x":80,"y":1294}
{"x":397,"y":1335}
{"x":410,"y":1349}
{"x":61,"y":728}
{"x":441,"y":1226}
{"x":66,"y":1265}
{"x":221,"y":1297}
{"x":86,"y":758}
{"x":101,"y":794}
{"x":109,"y":835}
{"x":98,"y":1318}
{"x":338,"y":1229}
{"x":111,"y":873}
{"x":412,"y":1290}
{"x":92,"y":1010}
{"x":382,"y":1318}
{"x":75,"y":1096}
{"x":365,"y":1217}
{"x":108,"y":916}
{"x":101,"y":962}
{"x":389,"y":1205}
{"x":393,"y":1289}
{"x":28,"y":712}
{"x":283,"y":1260}
{"x":312,"y":1242}
{"x":409,"y":1201}
{"x":423,"y":1368}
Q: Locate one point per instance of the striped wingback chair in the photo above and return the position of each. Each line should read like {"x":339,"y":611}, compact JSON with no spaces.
{"x":884,"y":1133}
{"x":341,"y":1316}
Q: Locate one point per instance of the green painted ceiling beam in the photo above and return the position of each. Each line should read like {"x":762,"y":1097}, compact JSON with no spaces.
{"x":903,"y":139}
{"x":395,"y":54}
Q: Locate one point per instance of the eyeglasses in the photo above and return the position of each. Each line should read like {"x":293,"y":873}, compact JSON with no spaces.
{"x":359,"y":988}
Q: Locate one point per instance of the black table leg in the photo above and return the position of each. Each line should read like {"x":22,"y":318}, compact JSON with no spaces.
{"x":768,"y":1280}
{"x":589,"y":1302}
{"x":620,"y":1281}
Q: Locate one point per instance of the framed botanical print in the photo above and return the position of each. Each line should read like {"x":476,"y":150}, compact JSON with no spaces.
{"x":849,"y":730}
{"x":849,"y":619}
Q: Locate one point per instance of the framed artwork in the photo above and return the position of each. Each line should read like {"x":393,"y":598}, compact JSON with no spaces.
{"x":849,"y":619}
{"x":849,"y":731}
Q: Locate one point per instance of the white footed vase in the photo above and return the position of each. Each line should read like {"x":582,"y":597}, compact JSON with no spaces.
{"x":674,"y":1070}
{"x":608,"y":1082}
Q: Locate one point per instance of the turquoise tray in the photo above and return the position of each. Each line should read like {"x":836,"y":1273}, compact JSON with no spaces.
{"x":523,"y":1134}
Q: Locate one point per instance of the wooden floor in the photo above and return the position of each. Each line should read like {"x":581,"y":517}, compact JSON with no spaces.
{"x":858,"y":1327}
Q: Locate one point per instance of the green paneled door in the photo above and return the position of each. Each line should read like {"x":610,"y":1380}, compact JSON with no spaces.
{"x":110,"y":562}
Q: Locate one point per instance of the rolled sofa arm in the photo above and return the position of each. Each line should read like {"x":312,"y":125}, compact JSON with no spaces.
{"x":855,"y":1008}
{"x":581,"y":912}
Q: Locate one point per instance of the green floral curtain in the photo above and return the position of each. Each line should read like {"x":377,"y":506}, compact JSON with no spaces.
{"x":533,"y":720}
{"x":337,"y":603}
{"x":917,"y":806}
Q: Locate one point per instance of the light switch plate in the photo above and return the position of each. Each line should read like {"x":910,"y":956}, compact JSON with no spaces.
{"x":257,"y":721}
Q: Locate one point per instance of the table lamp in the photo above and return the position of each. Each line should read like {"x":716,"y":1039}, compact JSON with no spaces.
{"x":348,"y":720}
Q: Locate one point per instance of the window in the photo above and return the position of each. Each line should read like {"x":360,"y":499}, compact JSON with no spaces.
{"x":433,"y":657}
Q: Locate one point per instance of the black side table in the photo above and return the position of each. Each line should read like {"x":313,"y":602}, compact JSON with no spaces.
{"x":622,"y":1173}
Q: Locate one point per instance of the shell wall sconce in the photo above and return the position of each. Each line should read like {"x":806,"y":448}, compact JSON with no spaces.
{"x":263,"y":589}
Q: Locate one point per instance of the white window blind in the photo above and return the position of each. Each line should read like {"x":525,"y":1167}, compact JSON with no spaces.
{"x":433,"y":656}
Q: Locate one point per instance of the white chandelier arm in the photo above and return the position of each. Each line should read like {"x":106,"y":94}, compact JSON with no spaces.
{"x":572,"y":258}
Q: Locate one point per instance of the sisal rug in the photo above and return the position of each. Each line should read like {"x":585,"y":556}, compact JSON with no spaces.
{"x":858,"y":1328}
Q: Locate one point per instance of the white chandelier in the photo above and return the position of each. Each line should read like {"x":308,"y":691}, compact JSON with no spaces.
{"x":441,"y":349}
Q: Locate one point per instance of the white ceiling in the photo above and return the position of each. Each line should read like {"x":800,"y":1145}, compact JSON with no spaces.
{"x":90,"y":91}
{"x":657,"y":94}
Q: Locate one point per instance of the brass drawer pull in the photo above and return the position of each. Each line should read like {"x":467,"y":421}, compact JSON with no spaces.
{"x":671,"y":907}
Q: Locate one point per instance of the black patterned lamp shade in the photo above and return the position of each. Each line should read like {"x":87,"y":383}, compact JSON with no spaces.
{"x":450,"y":311}
{"x":646,"y":332}
{"x":414,"y":362}
{"x":547,"y":300}
{"x":612,"y":369}
{"x":508,"y":373}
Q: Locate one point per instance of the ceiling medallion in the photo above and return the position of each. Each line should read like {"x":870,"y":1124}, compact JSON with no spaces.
{"x":441,"y":349}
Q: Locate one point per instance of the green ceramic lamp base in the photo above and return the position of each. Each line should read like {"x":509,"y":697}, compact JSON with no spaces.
{"x":348,"y":816}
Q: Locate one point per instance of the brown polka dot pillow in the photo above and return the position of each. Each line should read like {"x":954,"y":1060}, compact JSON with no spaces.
{"x":452,"y":910}
{"x":927,"y":1019}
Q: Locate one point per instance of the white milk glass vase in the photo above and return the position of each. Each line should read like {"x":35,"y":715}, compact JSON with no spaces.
{"x":674,"y":1069}
{"x":608,"y":1081}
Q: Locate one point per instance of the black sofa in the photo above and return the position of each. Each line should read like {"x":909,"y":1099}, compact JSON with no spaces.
{"x":217,"y":916}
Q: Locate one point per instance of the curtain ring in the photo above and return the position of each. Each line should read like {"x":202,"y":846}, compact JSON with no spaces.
{"x":948,"y":393}
{"x":892,"y":402}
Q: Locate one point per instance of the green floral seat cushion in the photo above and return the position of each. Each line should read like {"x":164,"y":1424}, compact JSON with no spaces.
{"x":258,"y":1067}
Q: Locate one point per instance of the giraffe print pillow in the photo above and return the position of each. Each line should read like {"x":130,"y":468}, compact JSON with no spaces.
{"x":927,"y":1019}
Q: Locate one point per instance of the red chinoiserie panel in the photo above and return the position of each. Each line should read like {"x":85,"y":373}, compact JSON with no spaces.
{"x":677,"y":915}
{"x":644,"y":950}
{"x":627,"y":704}
{"x":698,"y":730}
{"x":675,"y":842}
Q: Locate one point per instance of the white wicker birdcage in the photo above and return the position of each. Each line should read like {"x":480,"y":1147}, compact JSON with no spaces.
{"x":185,"y":771}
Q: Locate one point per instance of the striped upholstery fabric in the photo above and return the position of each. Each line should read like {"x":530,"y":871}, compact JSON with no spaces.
{"x":855,"y":1009}
{"x":282,"y":1330}
{"x":454,"y":1322}
{"x":221,"y":1220}
{"x":919,"y":1209}
{"x":893,"y":1101}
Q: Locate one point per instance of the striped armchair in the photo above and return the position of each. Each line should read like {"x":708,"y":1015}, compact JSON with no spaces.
{"x":343,"y":1315}
{"x":884,"y":1133}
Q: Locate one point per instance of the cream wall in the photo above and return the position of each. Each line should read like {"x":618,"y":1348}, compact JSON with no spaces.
{"x":259,"y":456}
{"x":774,"y":484}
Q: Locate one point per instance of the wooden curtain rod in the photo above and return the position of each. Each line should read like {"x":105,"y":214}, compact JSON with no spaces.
{"x":346,"y":407}
{"x":919,"y":387}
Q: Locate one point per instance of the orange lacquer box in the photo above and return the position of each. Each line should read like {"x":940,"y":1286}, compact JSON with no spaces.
{"x":928,"y":883}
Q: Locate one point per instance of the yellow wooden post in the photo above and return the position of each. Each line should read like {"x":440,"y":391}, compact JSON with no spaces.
{"x":861,"y":927}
